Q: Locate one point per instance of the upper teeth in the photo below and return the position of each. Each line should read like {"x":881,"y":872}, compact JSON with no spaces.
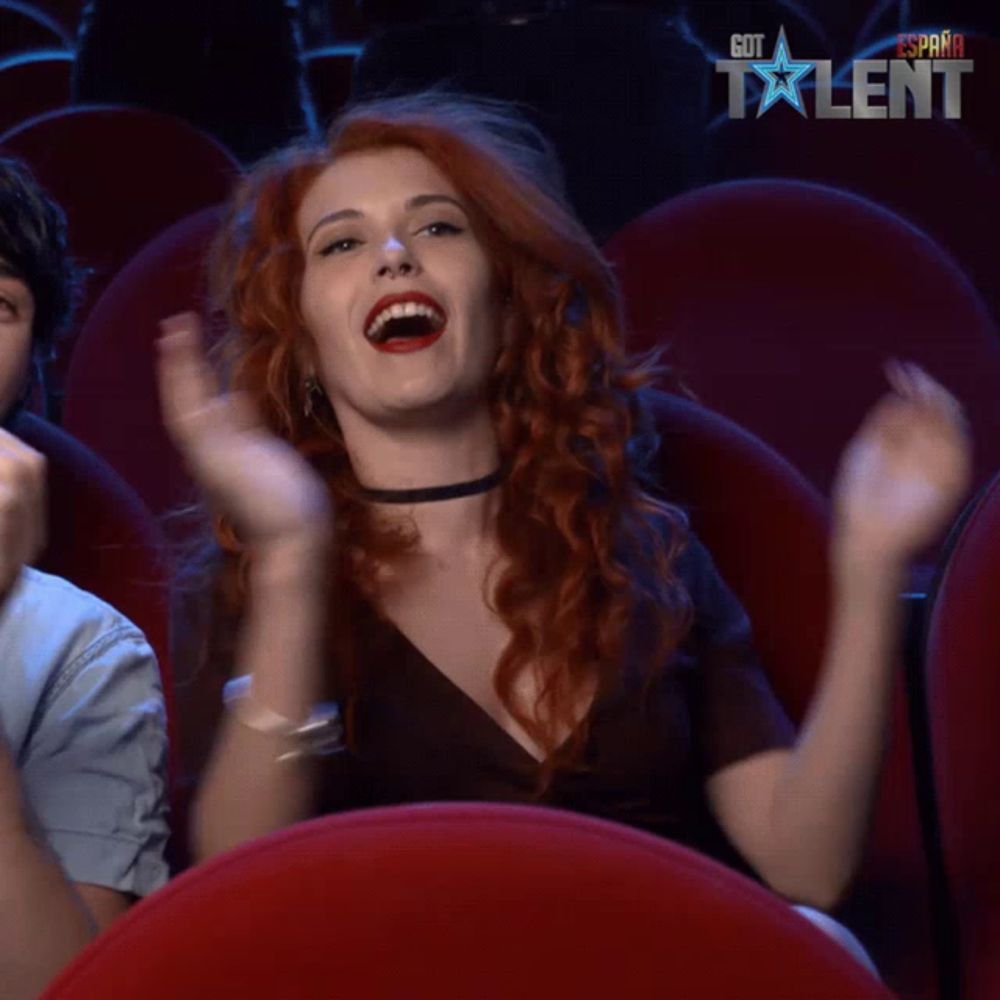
{"x":400,"y":311}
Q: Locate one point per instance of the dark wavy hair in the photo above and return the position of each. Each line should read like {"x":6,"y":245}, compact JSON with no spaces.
{"x":34,"y":247}
{"x":584,"y":542}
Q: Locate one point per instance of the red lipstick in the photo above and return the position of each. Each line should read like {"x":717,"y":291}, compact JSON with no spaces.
{"x":411,"y":344}
{"x":391,"y":300}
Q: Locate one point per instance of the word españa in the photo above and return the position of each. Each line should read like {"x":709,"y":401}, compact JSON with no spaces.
{"x":918,"y":59}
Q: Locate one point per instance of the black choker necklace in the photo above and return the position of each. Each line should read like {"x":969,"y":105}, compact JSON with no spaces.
{"x":466,"y":489}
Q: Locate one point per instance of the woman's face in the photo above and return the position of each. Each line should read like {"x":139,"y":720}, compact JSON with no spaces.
{"x":397,"y":294}
{"x":17,"y":312}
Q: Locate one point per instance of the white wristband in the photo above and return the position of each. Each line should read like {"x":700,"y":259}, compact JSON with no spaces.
{"x":320,"y":735}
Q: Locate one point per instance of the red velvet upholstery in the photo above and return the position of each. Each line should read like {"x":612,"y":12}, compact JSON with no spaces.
{"x":949,"y":187}
{"x":25,"y":26}
{"x":33,"y":82}
{"x":963,"y":694}
{"x":459,"y":901}
{"x":767,"y":530}
{"x":102,"y":537}
{"x":782,"y":300}
{"x":111,"y":396}
{"x":122,"y":175}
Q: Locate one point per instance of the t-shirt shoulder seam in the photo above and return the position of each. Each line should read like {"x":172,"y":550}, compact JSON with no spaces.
{"x":97,"y":647}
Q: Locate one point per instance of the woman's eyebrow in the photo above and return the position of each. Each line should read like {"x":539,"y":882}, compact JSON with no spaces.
{"x":417,"y":201}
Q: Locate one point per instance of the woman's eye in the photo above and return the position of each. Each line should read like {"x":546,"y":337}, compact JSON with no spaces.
{"x":7,"y":309}
{"x":442,"y":228}
{"x":338,"y":246}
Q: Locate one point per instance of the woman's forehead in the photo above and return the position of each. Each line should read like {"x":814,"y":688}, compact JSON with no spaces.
{"x":372,"y":180}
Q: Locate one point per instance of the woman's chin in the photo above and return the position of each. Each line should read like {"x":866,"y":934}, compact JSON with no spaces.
{"x":432,"y":405}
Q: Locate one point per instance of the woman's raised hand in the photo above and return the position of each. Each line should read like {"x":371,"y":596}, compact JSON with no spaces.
{"x":258,"y":480}
{"x":905,"y":472}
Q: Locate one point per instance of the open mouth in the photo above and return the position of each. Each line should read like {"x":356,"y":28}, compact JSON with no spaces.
{"x":405,"y":326}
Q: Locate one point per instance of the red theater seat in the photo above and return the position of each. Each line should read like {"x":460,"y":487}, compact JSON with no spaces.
{"x":963,"y":698}
{"x":455,"y":901}
{"x":122,"y":175}
{"x":32,"y":83}
{"x":781,"y":301}
{"x":933,"y":172}
{"x":767,"y":530}
{"x":102,"y":538}
{"x":111,"y":394}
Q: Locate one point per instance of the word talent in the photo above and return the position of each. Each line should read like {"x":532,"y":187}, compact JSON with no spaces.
{"x":879,"y":87}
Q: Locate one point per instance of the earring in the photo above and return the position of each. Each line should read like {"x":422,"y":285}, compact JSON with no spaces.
{"x":313,"y":391}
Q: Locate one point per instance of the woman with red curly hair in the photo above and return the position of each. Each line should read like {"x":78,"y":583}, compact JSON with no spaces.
{"x":427,"y":474}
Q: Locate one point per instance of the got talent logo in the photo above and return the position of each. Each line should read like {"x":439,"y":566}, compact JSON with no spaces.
{"x":879,"y":86}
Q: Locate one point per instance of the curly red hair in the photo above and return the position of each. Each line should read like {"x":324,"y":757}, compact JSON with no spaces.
{"x":575,"y":526}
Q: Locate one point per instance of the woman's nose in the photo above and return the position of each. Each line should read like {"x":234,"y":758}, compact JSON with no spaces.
{"x":395,"y":259}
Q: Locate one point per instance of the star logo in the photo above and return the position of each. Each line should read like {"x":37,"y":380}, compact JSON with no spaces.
{"x":781,"y":75}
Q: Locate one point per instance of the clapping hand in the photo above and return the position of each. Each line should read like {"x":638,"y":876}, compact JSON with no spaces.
{"x":260,"y":481}
{"x":904,"y":473}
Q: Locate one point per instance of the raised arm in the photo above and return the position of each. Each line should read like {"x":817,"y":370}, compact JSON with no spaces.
{"x":280,"y":508}
{"x":801,"y":816}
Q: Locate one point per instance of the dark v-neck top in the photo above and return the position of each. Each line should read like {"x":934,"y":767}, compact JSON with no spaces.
{"x":420,"y":738}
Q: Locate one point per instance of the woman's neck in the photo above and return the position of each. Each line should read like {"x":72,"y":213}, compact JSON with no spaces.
{"x":405,"y":458}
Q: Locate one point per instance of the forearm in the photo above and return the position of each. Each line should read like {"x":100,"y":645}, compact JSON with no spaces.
{"x":823,"y":799}
{"x":246,"y":791}
{"x":43,"y":922}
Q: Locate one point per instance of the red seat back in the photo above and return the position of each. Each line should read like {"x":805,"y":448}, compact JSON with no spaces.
{"x":122,"y":175}
{"x":782,"y":300}
{"x":111,"y":395}
{"x":963,"y":695}
{"x":767,"y":530}
{"x":950,"y":188}
{"x":449,"y":901}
